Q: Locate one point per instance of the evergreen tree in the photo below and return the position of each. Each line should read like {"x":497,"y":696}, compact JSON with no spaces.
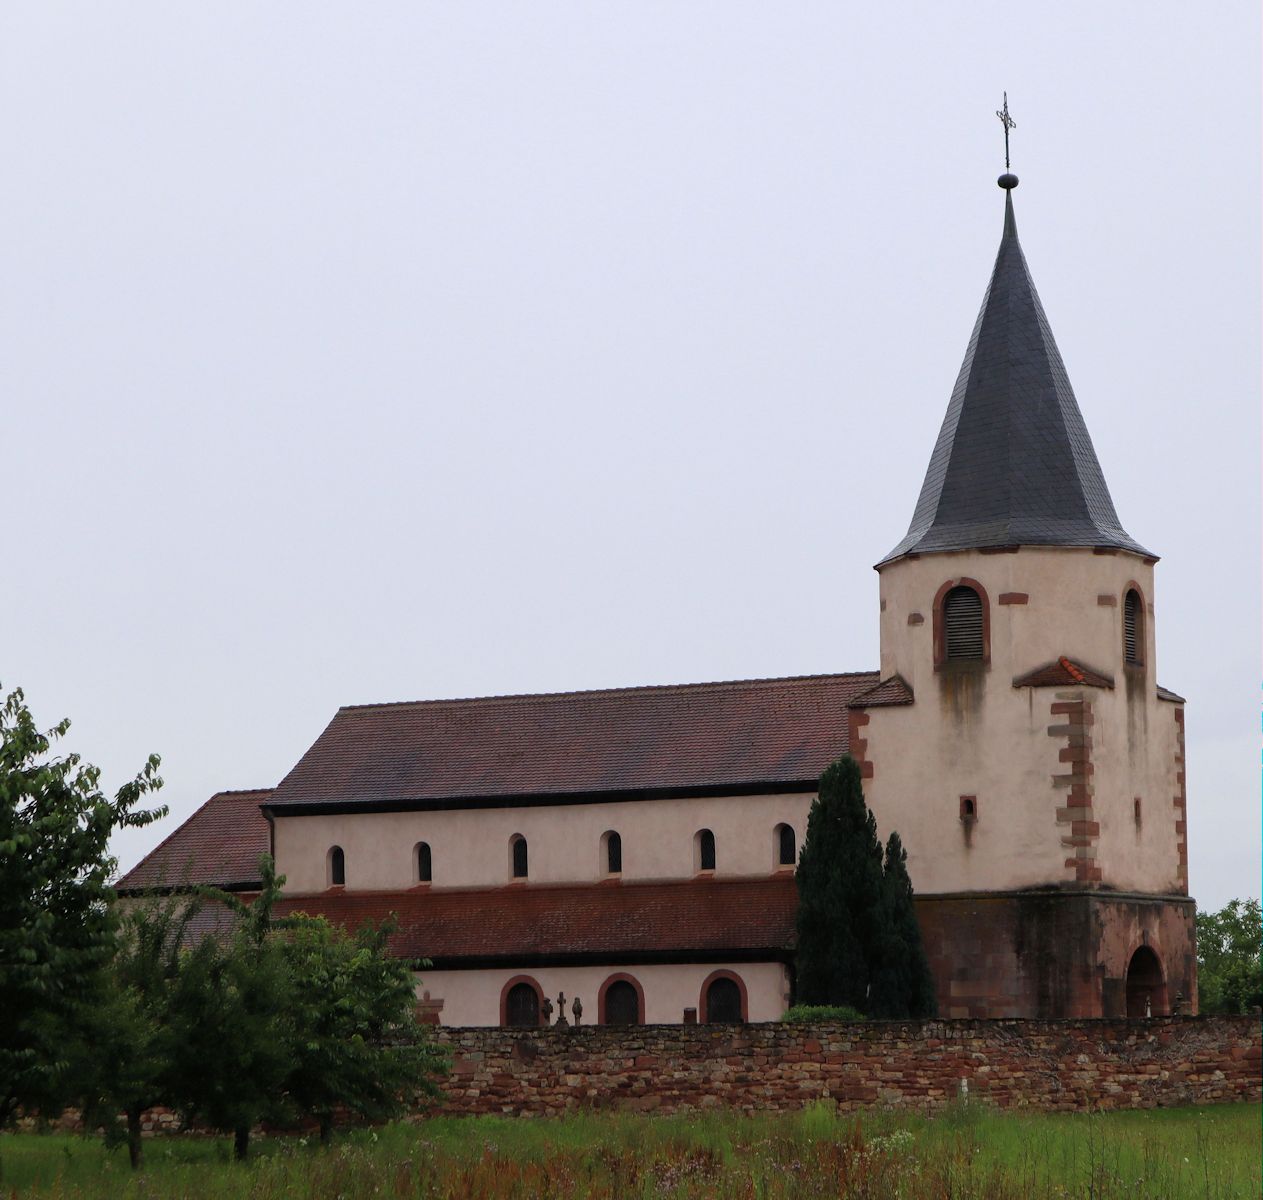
{"x":902,"y":985}
{"x":839,"y":892}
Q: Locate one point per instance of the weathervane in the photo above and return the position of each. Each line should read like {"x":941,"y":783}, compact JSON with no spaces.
{"x":1009,"y":123}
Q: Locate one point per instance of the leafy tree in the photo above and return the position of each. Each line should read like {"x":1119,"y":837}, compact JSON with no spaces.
{"x":56,"y":929}
{"x":839,"y":892}
{"x":357,"y":1044}
{"x":1229,"y":972}
{"x":902,"y":983}
{"x":232,"y":1021}
{"x":122,"y":1049}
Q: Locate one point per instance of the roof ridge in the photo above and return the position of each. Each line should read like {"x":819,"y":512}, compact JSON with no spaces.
{"x":643,"y":688}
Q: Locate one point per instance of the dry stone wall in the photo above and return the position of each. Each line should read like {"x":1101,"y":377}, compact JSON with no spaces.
{"x":1054,"y":1065}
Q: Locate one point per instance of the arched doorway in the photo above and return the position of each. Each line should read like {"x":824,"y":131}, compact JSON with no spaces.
{"x":723,"y":1001}
{"x":622,"y":1004}
{"x":1146,"y":988}
{"x":521,"y":1006}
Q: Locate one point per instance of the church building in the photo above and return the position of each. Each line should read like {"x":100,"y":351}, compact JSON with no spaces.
{"x":635,"y":848}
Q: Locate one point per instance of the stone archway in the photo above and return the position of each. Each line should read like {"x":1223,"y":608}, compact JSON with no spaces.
{"x":1146,"y":986}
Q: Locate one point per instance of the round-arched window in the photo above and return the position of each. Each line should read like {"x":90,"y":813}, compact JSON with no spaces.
{"x":613,"y":854}
{"x":424,"y":868}
{"x":704,"y":850}
{"x":962,"y":625}
{"x":1133,"y":629}
{"x":786,"y":846}
{"x":519,"y":859}
{"x":337,"y":867}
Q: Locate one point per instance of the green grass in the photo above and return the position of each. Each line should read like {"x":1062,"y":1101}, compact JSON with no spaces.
{"x":1210,"y":1153}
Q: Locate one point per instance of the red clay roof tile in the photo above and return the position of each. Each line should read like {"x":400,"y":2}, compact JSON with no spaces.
{"x":756,"y":732}
{"x":633,"y":921}
{"x":1065,"y":672}
{"x":219,"y":845}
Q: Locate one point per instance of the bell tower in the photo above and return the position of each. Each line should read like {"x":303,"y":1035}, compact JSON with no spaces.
{"x":1021,"y":744}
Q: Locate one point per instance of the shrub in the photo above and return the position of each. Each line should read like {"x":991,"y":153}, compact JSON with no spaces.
{"x":805,"y":1014}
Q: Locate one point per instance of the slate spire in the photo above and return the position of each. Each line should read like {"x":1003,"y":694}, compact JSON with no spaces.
{"x":1013,"y":465}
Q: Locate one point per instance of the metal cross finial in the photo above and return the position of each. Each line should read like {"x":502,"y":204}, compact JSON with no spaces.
{"x":1009,"y":123}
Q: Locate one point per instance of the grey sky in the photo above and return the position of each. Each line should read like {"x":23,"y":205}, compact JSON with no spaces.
{"x":394,"y":351}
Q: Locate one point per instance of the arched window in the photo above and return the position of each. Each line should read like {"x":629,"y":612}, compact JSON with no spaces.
{"x":519,"y":1007}
{"x":704,"y":850}
{"x":963,"y":635}
{"x":786,"y":846}
{"x":337,"y":867}
{"x":621,"y":1002}
{"x":613,"y":853}
{"x":724,"y":1001}
{"x":423,"y":862}
{"x":518,"y":847}
{"x":1133,"y":629}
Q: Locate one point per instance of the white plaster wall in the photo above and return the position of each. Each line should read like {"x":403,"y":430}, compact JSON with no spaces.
{"x":993,"y":741}
{"x":473,"y":997}
{"x":470,"y":848}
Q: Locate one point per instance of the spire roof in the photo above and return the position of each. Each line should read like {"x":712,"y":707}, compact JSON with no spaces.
{"x":1013,"y":465}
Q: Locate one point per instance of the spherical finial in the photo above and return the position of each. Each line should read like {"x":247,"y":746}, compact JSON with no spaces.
{"x":1007,"y":181}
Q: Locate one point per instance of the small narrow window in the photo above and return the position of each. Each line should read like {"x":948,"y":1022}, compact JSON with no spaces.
{"x":1135,"y":809}
{"x":786,"y":846}
{"x":337,"y":867}
{"x":962,"y":625}
{"x":613,"y":854}
{"x":519,"y":857}
{"x":705,"y":843}
{"x":423,"y":862}
{"x":968,"y":808}
{"x":1133,"y":629}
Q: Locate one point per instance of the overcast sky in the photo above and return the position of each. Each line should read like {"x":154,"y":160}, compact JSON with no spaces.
{"x":398,"y":351}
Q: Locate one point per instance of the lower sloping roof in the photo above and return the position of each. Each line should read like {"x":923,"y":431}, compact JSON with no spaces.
{"x":218,"y":846}
{"x":699,"y":920}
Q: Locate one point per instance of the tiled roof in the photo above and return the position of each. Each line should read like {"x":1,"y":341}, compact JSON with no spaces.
{"x":894,"y":690}
{"x":1014,"y":464}
{"x":758,"y":733}
{"x":612,"y":922}
{"x":1167,"y":694}
{"x":219,"y":845}
{"x":1065,"y":672}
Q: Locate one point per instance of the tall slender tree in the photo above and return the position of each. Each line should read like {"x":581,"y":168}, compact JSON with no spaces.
{"x":902,"y":985}
{"x":839,"y":892}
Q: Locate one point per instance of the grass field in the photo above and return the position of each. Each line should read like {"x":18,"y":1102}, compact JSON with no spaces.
{"x":1193,"y":1152}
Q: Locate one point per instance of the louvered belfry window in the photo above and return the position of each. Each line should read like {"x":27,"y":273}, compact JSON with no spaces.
{"x":962,"y":625}
{"x":1133,"y":630}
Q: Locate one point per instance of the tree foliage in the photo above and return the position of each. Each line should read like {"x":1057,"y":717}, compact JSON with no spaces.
{"x":1229,"y":971}
{"x":859,"y":943}
{"x":56,"y":930}
{"x":357,"y":1046}
{"x":121,"y":1044}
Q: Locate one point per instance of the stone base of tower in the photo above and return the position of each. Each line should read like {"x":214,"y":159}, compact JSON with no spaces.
{"x":1050,"y":953}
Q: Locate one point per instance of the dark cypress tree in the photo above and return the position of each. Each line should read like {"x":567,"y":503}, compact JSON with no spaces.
{"x":902,"y":983}
{"x":839,"y":892}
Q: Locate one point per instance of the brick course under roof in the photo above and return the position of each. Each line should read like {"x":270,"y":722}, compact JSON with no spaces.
{"x":219,"y":845}
{"x":738,"y":918}
{"x":757,"y":733}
